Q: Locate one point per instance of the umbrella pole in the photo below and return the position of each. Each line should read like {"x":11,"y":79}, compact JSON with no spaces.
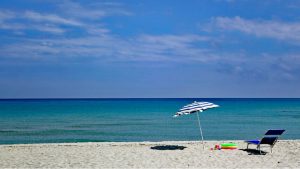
{"x":200,"y":129}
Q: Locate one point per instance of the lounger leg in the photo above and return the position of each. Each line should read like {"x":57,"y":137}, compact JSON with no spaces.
{"x":258,"y":148}
{"x":271,"y":148}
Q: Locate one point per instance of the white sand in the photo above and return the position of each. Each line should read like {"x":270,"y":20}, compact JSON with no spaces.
{"x":285,"y":154}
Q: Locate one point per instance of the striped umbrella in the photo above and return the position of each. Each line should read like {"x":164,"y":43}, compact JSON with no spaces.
{"x":196,"y":107}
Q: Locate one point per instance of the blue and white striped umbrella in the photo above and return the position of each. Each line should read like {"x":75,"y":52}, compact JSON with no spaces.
{"x":196,"y":107}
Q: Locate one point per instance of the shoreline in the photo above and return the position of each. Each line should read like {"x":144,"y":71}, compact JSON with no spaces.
{"x":138,"y":142}
{"x":165,"y":154}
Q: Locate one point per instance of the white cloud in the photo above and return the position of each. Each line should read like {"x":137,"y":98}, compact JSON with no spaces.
{"x":77,"y":10}
{"x":49,"y":28}
{"x":12,"y":26}
{"x":288,"y":31}
{"x":97,"y":30}
{"x":18,"y":28}
{"x":173,"y":40}
{"x":155,"y":48}
{"x":182,"y":48}
{"x":31,"y":15}
{"x":113,"y":48}
{"x":76,"y":16}
{"x":5,"y":14}
{"x":92,"y":11}
{"x":8,"y":22}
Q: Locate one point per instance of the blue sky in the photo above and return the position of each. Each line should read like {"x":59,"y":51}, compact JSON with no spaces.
{"x":213,"y":48}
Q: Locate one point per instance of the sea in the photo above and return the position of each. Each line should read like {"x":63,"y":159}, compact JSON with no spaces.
{"x":129,"y":120}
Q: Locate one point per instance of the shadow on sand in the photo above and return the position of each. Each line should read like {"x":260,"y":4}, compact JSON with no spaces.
{"x":168,"y":147}
{"x":254,"y":152}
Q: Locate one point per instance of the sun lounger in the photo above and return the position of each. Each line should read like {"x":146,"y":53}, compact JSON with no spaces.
{"x":270,"y":139}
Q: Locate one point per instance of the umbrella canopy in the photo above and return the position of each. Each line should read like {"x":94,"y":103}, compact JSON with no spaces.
{"x":196,"y":107}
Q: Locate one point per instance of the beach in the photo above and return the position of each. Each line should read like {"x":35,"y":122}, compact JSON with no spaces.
{"x":167,"y":154}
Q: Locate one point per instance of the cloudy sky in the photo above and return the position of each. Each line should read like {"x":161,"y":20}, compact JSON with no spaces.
{"x":169,"y":48}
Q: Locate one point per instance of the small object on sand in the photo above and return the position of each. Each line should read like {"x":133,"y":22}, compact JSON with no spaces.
{"x":217,"y":147}
{"x":229,"y":146}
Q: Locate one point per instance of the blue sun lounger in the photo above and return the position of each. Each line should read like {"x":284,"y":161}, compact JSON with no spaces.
{"x":270,"y":138}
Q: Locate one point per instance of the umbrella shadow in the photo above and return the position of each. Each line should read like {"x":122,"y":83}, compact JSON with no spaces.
{"x":168,"y":147}
{"x":254,"y":152}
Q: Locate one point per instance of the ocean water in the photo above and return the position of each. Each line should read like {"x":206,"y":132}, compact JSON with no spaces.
{"x":99,"y":120}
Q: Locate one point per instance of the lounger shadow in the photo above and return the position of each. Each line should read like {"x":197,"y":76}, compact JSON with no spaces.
{"x":254,"y":152}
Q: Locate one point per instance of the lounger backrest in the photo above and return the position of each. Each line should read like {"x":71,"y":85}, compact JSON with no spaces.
{"x":274,"y":132}
{"x":268,"y":140}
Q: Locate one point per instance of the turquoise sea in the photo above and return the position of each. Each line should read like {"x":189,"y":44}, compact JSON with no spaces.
{"x":98,"y":120}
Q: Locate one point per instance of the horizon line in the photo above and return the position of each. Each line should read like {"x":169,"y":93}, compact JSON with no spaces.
{"x":94,"y":98}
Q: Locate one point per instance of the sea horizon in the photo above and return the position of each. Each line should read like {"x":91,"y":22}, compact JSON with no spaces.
{"x":151,"y":98}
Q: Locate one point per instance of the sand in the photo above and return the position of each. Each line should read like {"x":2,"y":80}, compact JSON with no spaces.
{"x":285,"y":154}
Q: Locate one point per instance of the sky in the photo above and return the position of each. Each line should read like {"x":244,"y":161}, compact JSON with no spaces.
{"x":148,"y":48}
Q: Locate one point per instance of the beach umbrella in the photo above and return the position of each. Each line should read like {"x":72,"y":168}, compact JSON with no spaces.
{"x":196,"y":107}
